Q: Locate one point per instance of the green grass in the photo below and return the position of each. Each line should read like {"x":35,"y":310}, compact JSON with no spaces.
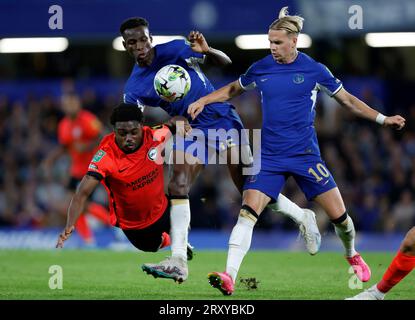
{"x":117,"y":275}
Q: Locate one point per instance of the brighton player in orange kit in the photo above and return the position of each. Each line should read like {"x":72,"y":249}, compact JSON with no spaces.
{"x":79,"y":133}
{"x":402,"y":264}
{"x":129,"y":164}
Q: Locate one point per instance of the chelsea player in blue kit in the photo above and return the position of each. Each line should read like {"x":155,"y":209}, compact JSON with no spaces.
{"x":289,"y":81}
{"x":139,"y":90}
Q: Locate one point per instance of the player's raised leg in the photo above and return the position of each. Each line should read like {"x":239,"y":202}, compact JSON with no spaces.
{"x":254,"y":203}
{"x":304,"y":218}
{"x":402,"y":264}
{"x":184,"y":174}
{"x":332,"y":203}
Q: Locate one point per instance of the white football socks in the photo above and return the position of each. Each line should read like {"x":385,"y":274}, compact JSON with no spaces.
{"x":288,"y":208}
{"x":346,"y":232}
{"x":239,"y":243}
{"x":179,"y":221}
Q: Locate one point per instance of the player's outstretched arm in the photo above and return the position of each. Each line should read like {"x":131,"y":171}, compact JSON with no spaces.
{"x":199,"y":44}
{"x":225,"y":93}
{"x":361,"y":109}
{"x":77,"y":205}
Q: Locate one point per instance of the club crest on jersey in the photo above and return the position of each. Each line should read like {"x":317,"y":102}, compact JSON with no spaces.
{"x":298,"y":78}
{"x":98,"y":156}
{"x":152,"y":154}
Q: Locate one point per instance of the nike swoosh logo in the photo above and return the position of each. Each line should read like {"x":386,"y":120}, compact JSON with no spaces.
{"x":121,"y":170}
{"x":262,"y":80}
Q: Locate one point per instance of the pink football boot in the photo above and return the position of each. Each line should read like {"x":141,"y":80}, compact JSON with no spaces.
{"x":221,"y":281}
{"x":360,"y":268}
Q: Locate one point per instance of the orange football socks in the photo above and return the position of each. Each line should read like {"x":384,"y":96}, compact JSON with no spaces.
{"x":400,"y":266}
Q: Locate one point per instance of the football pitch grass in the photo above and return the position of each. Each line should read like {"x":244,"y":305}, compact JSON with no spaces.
{"x":102,"y":274}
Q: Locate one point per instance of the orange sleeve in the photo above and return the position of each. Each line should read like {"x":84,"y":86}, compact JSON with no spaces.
{"x":101,"y":164}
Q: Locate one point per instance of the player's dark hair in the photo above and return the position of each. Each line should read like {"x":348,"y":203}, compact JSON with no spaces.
{"x":126,"y":112}
{"x":134,"y":22}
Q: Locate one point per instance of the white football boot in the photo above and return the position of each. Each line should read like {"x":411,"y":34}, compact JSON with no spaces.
{"x":171,"y":268}
{"x":369,"y":294}
{"x":309,"y":232}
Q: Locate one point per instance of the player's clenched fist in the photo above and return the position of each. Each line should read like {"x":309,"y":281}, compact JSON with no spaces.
{"x":395,"y":122}
{"x":198,"y":42}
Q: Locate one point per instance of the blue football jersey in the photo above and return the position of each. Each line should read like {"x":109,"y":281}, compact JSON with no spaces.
{"x":288,"y":94}
{"x":139,"y":88}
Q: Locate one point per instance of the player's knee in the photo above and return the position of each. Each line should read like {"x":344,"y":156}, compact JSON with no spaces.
{"x":247,"y":212}
{"x":408,"y":243}
{"x":179,"y":186}
{"x":342,"y":219}
{"x":254,"y":202}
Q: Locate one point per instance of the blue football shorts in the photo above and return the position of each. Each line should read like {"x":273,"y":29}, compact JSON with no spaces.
{"x":212,"y":137}
{"x":309,"y":171}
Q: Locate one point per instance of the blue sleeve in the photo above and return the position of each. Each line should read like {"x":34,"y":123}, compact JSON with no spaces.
{"x":128,"y":98}
{"x":327,"y":82}
{"x":247,"y":80}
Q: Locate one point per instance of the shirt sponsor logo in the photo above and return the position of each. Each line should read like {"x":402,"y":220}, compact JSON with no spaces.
{"x":152,"y":154}
{"x":143,"y":181}
{"x":98,"y":156}
{"x":298,"y":78}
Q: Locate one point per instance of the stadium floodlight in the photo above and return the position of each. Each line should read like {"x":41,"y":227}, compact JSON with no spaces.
{"x":260,"y":41}
{"x":117,"y":42}
{"x":390,"y":39}
{"x":27,"y":45}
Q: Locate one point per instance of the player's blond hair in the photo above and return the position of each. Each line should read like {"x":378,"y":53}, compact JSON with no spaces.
{"x":291,"y":24}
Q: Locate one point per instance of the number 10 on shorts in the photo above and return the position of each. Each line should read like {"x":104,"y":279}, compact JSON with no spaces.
{"x":319,"y":172}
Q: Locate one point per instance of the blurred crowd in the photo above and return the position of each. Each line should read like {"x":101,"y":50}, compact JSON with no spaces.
{"x":374,"y":167}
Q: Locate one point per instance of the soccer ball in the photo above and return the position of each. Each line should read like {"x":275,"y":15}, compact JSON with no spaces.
{"x":172,"y":83}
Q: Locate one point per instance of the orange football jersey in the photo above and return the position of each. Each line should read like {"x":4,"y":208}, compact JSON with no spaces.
{"x":134,"y":181}
{"x":85,"y":128}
